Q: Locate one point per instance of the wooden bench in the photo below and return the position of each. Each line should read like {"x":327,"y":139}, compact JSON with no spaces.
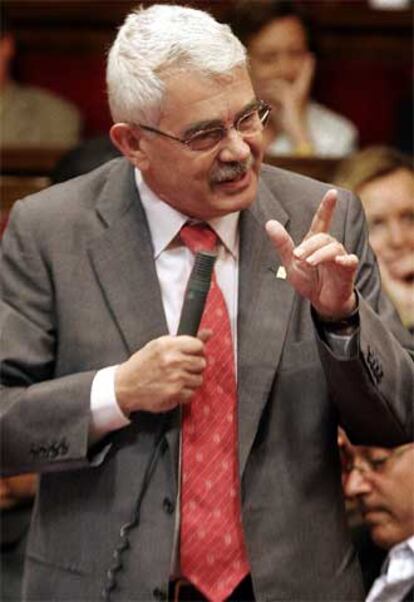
{"x":315,"y":167}
{"x":13,"y":188}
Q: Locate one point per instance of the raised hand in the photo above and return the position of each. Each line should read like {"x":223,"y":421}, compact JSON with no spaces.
{"x":290,"y":100}
{"x":320,"y":268}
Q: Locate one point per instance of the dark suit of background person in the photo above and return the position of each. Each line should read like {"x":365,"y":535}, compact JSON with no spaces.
{"x":96,"y":254}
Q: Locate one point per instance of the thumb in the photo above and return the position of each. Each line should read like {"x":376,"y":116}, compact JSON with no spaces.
{"x":281,"y":240}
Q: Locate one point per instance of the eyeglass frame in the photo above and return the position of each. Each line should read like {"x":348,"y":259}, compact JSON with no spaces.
{"x":373,"y":465}
{"x":224,"y":129}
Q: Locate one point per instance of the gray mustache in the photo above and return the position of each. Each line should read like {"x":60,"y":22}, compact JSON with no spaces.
{"x":230,"y":171}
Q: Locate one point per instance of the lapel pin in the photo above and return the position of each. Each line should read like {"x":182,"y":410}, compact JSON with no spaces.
{"x":281,"y":272}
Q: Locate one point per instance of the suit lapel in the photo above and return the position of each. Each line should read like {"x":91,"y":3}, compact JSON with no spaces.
{"x":264,"y":308}
{"x":122,"y":258}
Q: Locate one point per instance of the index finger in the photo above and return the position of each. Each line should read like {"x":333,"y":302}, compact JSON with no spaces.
{"x":322,"y":219}
{"x":189,"y":345}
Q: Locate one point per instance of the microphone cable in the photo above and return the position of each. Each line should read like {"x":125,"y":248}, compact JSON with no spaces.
{"x":124,"y":543}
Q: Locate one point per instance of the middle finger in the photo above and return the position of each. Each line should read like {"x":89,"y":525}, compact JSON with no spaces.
{"x":312,"y":244}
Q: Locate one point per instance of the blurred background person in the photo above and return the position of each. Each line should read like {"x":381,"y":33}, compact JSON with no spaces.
{"x":383,"y":178}
{"x":277,"y":38}
{"x":16,"y":500}
{"x":381,"y":484}
{"x":30,"y":116}
{"x":85,"y":157}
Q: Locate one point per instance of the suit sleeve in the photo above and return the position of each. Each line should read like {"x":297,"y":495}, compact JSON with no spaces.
{"x":44,"y":418}
{"x":374,"y":392}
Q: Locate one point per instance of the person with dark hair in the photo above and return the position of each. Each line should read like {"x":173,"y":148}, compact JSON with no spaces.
{"x":188,"y":450}
{"x":380,"y":483}
{"x":383,"y":178}
{"x":282,"y":63}
{"x":31,"y":116}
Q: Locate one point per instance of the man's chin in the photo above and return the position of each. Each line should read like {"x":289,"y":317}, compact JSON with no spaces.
{"x":384,"y":536}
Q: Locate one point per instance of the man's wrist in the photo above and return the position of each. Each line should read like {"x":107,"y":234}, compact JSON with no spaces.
{"x":345,"y":325}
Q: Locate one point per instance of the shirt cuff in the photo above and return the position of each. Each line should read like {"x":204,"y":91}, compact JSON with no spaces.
{"x":343,"y":346}
{"x":342,"y":341}
{"x":106,"y":415}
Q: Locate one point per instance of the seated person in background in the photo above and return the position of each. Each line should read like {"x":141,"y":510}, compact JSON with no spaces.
{"x":384,"y":180}
{"x":381,"y":483}
{"x":85,"y":157}
{"x":31,"y":116}
{"x":282,"y":67}
{"x":16,"y":498}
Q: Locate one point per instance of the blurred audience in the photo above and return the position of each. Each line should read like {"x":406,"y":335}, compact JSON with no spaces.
{"x":381,"y":484}
{"x":16,"y":499}
{"x":31,"y":116}
{"x":384,"y":180}
{"x":277,"y":37}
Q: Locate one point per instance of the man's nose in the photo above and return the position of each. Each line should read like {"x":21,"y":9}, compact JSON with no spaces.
{"x":356,"y":483}
{"x":286,"y":66}
{"x":234,"y":147}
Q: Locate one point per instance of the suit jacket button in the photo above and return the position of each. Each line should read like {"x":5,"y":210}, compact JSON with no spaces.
{"x":168,"y":505}
{"x":63,"y":447}
{"x":159,"y":594}
{"x":34,"y":451}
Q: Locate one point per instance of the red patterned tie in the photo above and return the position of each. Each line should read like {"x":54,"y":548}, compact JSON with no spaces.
{"x":212,"y":549}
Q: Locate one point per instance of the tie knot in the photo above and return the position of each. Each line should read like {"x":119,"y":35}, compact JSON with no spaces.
{"x":198,"y":237}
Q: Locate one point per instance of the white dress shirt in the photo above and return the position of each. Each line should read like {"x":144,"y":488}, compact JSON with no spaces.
{"x":332,"y":135}
{"x":397,"y":575}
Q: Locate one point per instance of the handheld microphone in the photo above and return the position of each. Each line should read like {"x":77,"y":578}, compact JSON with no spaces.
{"x":196,"y":293}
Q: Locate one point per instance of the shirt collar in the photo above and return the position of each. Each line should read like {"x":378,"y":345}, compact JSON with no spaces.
{"x":410,"y":543}
{"x":407,"y":544}
{"x":165,"y":222}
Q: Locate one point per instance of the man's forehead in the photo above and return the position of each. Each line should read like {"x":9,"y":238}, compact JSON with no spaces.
{"x":182,"y":75}
{"x":190,"y":92}
{"x":374,"y":452}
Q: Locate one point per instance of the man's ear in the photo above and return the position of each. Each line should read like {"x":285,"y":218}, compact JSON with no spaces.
{"x":129,"y":141}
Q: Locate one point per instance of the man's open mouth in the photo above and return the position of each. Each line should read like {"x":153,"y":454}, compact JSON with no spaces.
{"x":237,"y":177}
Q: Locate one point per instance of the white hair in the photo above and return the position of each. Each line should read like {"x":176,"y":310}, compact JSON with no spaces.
{"x":158,"y":39}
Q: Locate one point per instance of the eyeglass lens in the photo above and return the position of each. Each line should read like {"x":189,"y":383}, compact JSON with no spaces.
{"x":248,"y":124}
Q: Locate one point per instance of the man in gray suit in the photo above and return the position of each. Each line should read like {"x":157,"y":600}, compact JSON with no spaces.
{"x":94,"y":272}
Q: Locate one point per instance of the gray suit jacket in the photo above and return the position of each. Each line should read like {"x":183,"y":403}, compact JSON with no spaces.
{"x":81,"y":292}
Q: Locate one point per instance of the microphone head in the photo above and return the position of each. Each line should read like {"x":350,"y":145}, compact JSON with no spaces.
{"x":203,"y":269}
{"x":196,"y":293}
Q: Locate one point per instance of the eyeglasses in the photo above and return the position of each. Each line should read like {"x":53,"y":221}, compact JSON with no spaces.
{"x":367,"y":465}
{"x":248,"y":124}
